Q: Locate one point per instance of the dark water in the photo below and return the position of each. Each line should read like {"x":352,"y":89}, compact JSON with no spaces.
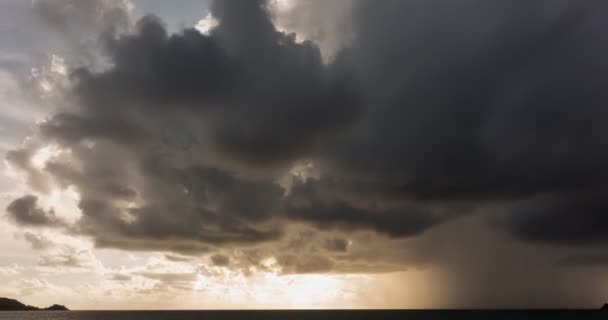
{"x":305,"y":315}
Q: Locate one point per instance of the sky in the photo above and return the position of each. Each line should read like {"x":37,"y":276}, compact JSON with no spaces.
{"x":303,"y":154}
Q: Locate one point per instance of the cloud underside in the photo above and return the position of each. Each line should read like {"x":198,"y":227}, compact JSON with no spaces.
{"x":187,"y":143}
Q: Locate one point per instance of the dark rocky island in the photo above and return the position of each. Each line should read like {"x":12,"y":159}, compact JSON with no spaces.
{"x":604,"y":307}
{"x":7,"y":304}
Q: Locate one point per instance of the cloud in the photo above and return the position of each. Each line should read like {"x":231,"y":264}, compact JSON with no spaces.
{"x":66,"y":15}
{"x":562,"y":218}
{"x":170,"y":277}
{"x":336,"y":244}
{"x":212,"y":82}
{"x":68,"y":258}
{"x":59,"y":254}
{"x":442,"y":128}
{"x":261,"y":96}
{"x":311,"y":202}
{"x":584,"y":261}
{"x":160,"y":274}
{"x":120,"y":277}
{"x":290,"y":263}
{"x":327,"y":23}
{"x":25,"y":211}
{"x":431,"y":112}
{"x":8,"y":271}
{"x":466,"y":112}
{"x":220,"y":260}
{"x":75,"y":27}
{"x":38,"y":242}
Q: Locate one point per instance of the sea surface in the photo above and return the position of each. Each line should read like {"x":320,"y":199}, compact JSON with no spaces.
{"x":305,"y":315}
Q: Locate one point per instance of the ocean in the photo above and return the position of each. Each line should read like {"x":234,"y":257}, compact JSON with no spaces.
{"x":306,"y":315}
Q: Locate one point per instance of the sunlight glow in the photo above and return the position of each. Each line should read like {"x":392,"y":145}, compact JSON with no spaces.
{"x":205,"y":25}
{"x":273,"y":290}
{"x":43,"y":155}
{"x":65,"y":202}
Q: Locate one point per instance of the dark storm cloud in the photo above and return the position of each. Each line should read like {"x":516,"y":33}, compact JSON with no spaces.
{"x":562,"y":218}
{"x":25,"y":212}
{"x":466,"y":106}
{"x":584,"y":260}
{"x":433,"y":110}
{"x":481,"y":108}
{"x":308,"y":202}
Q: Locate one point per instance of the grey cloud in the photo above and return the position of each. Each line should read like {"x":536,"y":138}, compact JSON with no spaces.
{"x":178,"y":257}
{"x":67,"y":15}
{"x":220,"y":260}
{"x":169,"y":277}
{"x":21,"y":159}
{"x":120,"y":277}
{"x":182,"y":246}
{"x":72,"y":128}
{"x":291,"y":263}
{"x":26,"y":212}
{"x":310,"y":202}
{"x":75,"y":27}
{"x":326,"y":23}
{"x":304,"y":249}
{"x":336,"y":244}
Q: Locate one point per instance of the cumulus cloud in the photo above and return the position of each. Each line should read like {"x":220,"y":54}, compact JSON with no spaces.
{"x":204,"y":178}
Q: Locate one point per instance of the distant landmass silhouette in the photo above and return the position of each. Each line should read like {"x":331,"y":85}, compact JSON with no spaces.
{"x":604,"y":307}
{"x":7,"y":304}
